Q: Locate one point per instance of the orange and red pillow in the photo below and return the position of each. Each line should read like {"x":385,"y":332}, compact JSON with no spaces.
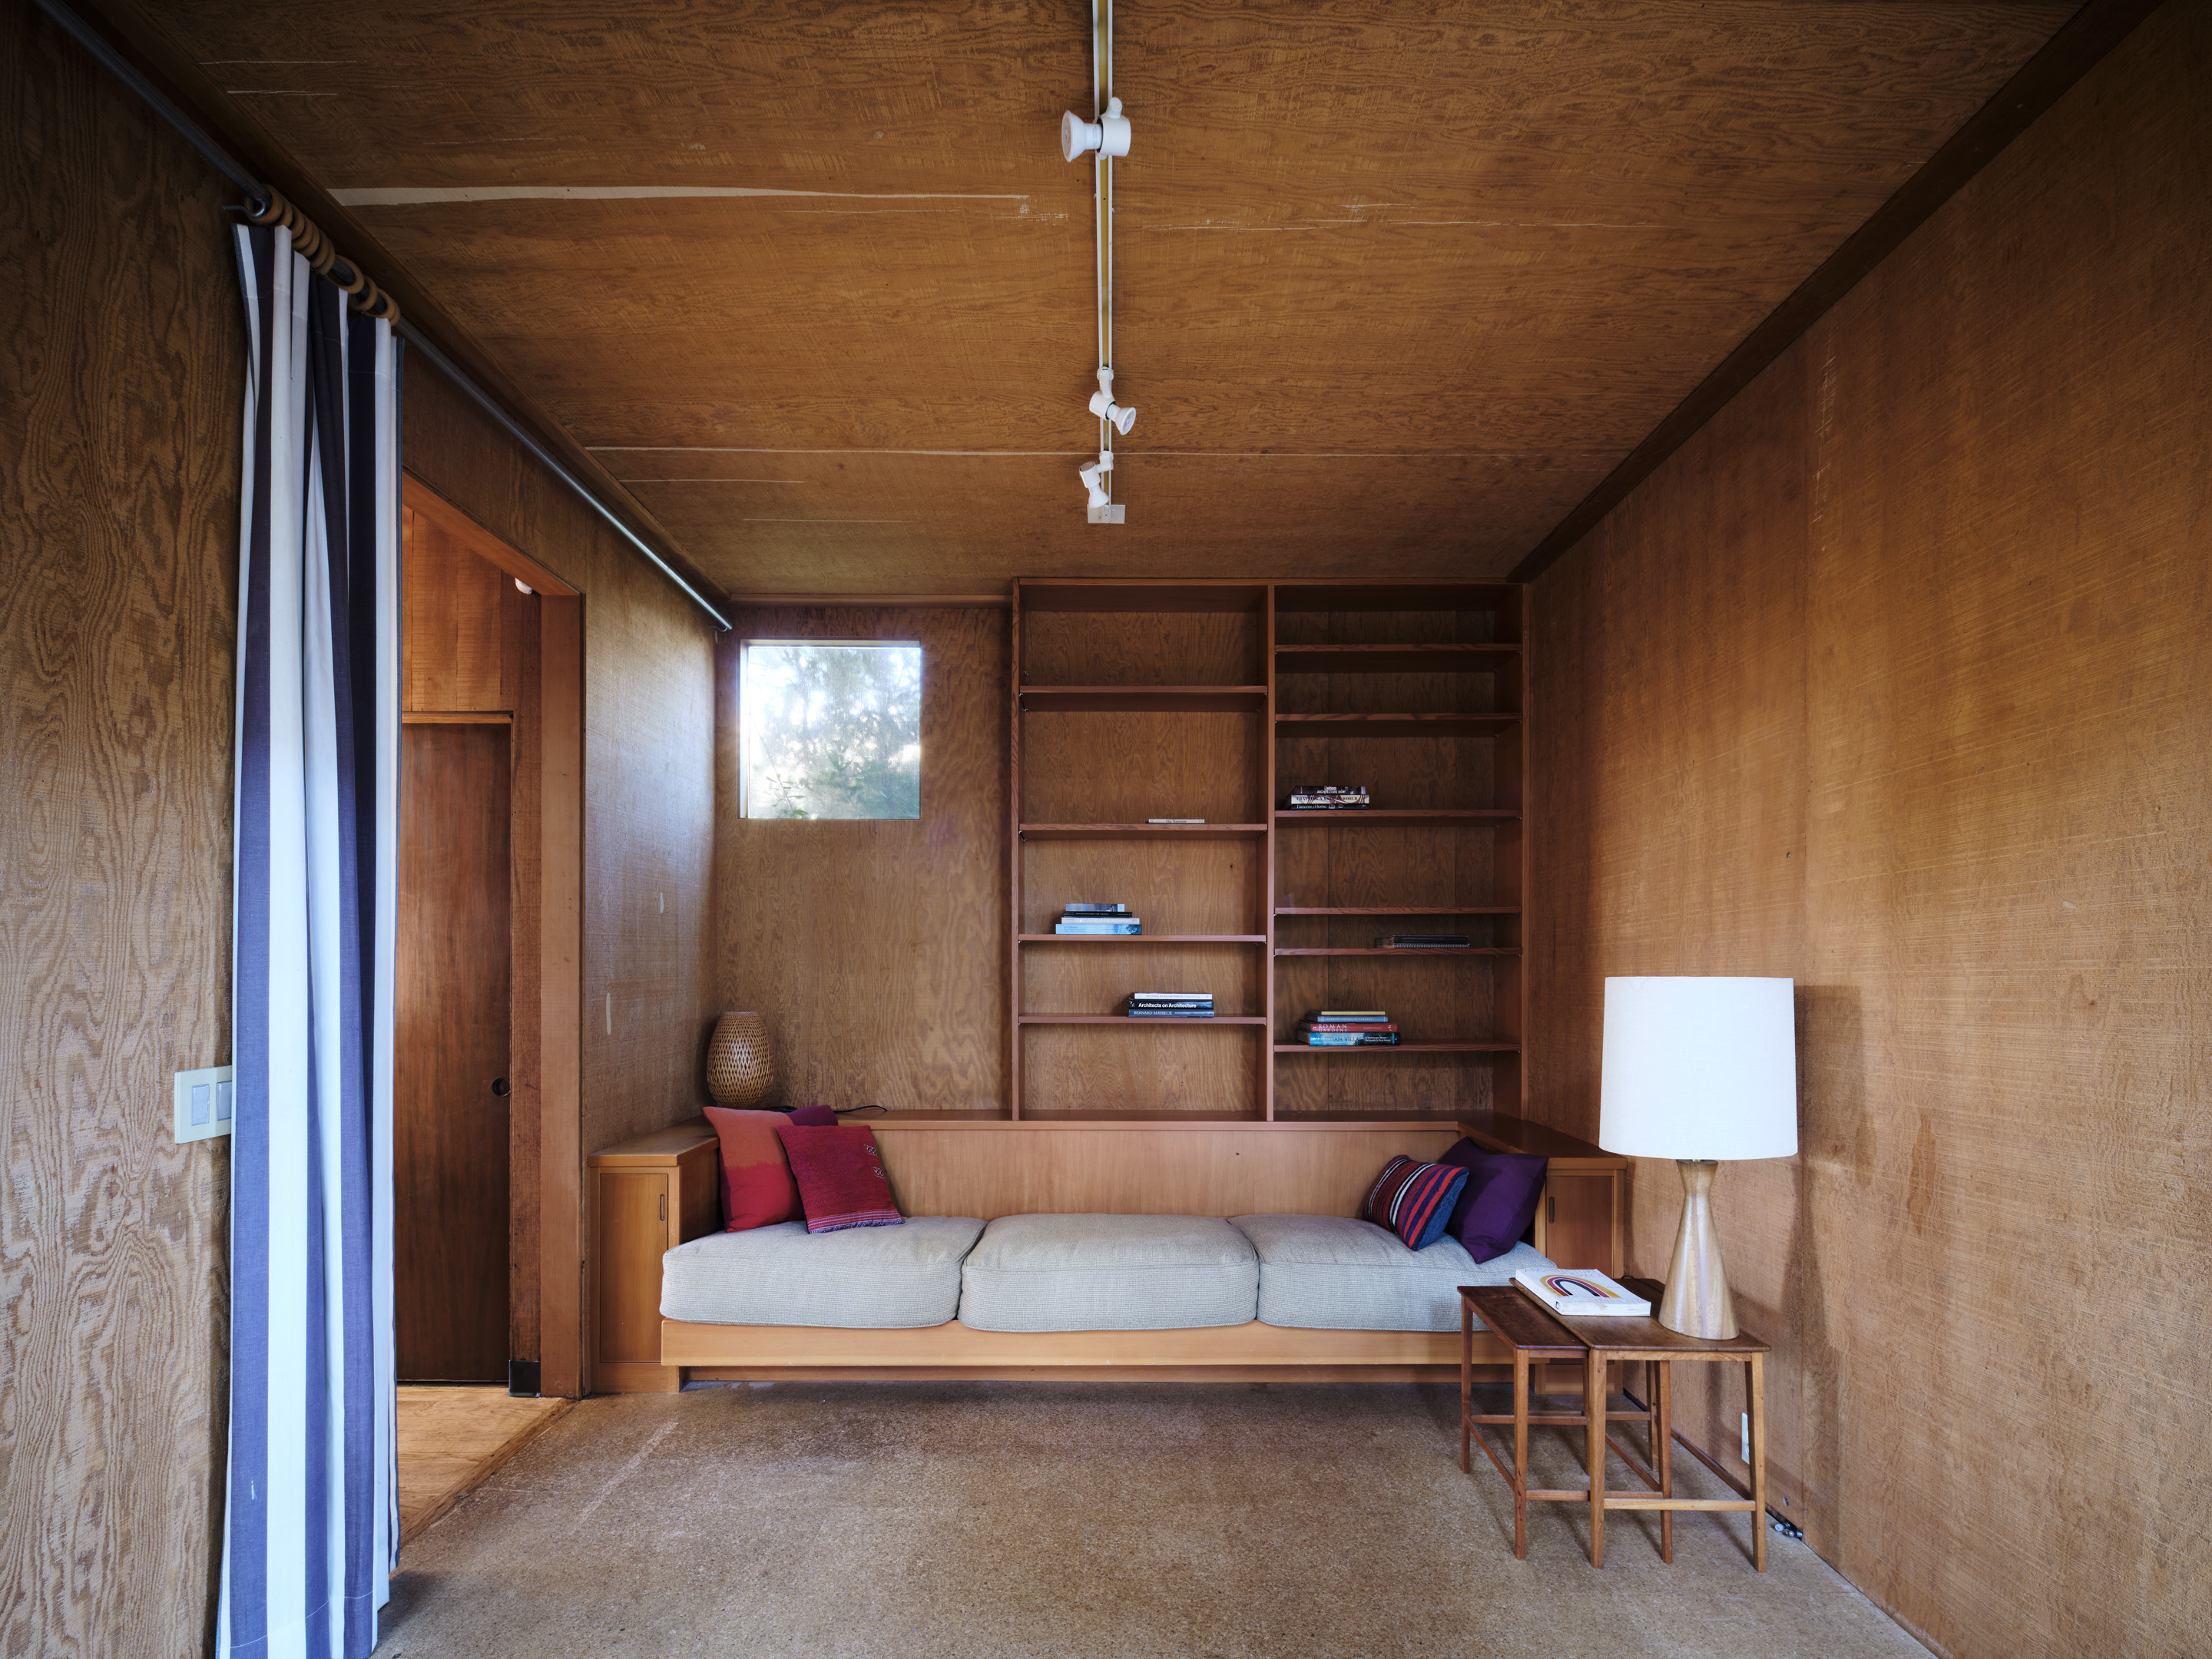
{"x":757,"y":1190}
{"x":840,"y":1177}
{"x":1413,"y":1199}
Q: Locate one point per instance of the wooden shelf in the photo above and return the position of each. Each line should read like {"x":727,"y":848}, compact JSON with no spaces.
{"x":1405,"y":950}
{"x":1397,"y":910}
{"x":1137,"y":831}
{"x":1390,"y":725}
{"x":1140,"y":939}
{"x":1395,"y":658}
{"x":1144,"y":699}
{"x":1400,"y":1049}
{"x":1138,"y":1020}
{"x":1400,"y":815}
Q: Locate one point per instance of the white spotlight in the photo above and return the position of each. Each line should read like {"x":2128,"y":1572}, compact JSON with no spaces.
{"x":1093,"y":477}
{"x":1109,"y":135}
{"x":1112,"y":413}
{"x":1103,"y":406}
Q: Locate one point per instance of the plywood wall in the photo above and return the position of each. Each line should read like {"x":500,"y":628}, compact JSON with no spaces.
{"x":877,"y":950}
{"x":1894,"y":681}
{"x":648,"y":969}
{"x":124,"y":359}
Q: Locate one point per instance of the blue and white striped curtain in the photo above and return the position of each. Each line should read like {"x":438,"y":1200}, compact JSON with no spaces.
{"x":310,"y":1522}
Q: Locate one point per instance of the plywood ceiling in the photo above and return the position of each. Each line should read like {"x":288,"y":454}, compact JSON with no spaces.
{"x":1397,"y":284}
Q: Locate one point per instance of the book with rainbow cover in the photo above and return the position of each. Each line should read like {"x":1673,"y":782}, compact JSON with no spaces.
{"x":1581,"y":1292}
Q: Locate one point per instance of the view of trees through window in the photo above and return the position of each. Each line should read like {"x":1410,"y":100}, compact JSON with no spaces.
{"x":832,"y":730}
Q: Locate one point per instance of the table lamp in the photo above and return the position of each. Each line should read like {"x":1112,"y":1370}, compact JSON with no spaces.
{"x":1697,"y":1070}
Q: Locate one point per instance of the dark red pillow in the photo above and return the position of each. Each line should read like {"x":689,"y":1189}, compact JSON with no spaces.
{"x":1500,"y":1200}
{"x":840,"y":1177}
{"x":818,"y":1117}
{"x":757,"y":1190}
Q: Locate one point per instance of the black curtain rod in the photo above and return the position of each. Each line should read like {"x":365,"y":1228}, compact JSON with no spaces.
{"x":260,"y":195}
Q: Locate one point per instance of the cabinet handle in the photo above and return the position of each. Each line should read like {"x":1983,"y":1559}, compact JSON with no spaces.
{"x":1550,"y":1209}
{"x":664,"y":1206}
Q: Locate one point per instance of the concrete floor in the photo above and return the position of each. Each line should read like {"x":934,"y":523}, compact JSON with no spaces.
{"x":981,"y":1520}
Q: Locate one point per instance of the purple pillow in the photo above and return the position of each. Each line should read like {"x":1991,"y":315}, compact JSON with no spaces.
{"x":1500,"y":1200}
{"x":815,"y":1117}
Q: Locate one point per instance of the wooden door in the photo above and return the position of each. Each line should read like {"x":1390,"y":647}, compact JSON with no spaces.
{"x":451,"y":1054}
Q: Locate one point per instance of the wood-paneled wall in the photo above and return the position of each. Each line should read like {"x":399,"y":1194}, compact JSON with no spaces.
{"x":877,"y":950}
{"x":648,"y":971}
{"x":1894,"y":681}
{"x":124,"y":359}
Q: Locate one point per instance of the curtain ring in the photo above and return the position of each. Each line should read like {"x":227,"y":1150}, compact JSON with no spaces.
{"x":360,"y":277}
{"x":324,"y":255}
{"x":271,"y":210}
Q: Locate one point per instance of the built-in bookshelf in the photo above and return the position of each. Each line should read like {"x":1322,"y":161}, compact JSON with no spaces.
{"x":1212,"y":700}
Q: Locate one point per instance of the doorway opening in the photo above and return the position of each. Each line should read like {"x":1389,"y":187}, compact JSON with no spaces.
{"x":487,"y":1211}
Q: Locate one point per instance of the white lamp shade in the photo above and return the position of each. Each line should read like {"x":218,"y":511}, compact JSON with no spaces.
{"x":1699,"y":1068}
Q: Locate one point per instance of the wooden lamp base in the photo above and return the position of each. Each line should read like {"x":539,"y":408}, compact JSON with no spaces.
{"x":1696,"y":1302}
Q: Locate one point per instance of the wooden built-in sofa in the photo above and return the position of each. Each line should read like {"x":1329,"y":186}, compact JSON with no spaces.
{"x":652,"y":1193}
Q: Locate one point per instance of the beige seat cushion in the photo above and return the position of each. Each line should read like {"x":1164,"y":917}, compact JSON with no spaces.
{"x":1108,"y":1273}
{"x":1333,"y":1273}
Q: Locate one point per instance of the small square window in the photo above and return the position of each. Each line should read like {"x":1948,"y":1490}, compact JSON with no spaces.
{"x":831,"y":730}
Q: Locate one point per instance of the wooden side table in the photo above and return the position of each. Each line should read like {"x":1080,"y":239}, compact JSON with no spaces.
{"x":1645,"y":1338}
{"x":1517,"y":1320}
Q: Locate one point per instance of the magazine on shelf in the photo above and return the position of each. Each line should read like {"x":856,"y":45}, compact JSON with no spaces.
{"x":1582,"y":1293}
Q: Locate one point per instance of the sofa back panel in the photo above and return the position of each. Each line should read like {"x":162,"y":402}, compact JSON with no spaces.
{"x":992,"y":1169}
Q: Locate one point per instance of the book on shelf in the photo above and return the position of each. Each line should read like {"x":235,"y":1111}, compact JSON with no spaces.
{"x":1116,"y":909}
{"x":1346,"y":1014}
{"x":1348,"y":1039}
{"x":1171,"y":1004}
{"x":1423,"y":942}
{"x":1174,"y":820}
{"x":1582,"y":1293}
{"x":1328,"y":797}
{"x":1100,"y":929}
{"x":1345,"y":1025}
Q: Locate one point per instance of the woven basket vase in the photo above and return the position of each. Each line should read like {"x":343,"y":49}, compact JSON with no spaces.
{"x":740,"y":1069}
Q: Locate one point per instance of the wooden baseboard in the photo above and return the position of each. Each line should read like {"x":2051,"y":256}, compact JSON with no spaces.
{"x":616,"y":1378}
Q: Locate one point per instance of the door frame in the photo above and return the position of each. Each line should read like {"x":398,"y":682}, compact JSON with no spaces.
{"x":545,"y":1172}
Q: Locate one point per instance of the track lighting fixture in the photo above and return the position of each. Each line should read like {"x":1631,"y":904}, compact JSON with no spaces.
{"x":1104,"y":137}
{"x":1103,"y":406}
{"x":1109,"y":135}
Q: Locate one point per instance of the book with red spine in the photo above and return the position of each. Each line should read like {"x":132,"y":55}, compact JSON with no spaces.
{"x":1338,"y":1026}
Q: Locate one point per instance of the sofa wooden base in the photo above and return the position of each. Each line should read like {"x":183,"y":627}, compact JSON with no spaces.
{"x":1072,"y":1374}
{"x":1251,"y":1352}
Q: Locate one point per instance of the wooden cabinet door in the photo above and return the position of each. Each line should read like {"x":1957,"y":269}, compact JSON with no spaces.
{"x":451,"y":1054}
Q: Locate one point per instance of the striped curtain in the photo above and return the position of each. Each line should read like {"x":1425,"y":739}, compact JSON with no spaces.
{"x":310,"y":1530}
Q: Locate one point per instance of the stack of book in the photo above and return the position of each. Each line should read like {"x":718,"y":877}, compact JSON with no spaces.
{"x":1346,"y":1028}
{"x":1329,"y":798}
{"x":1422,"y":942}
{"x":1171,"y":1004}
{"x":1098,"y":920}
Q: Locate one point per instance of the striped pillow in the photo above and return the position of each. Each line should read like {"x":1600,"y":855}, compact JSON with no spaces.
{"x":1413,"y":1201}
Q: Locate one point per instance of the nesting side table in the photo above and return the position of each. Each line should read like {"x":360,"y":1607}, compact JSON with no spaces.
{"x":1609,"y":1339}
{"x":1519,"y":1321}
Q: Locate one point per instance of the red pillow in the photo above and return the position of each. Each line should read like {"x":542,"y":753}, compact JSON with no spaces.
{"x":757,"y":1190}
{"x":840,"y":1177}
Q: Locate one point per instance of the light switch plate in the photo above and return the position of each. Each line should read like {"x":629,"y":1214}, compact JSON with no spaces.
{"x":204,"y":1102}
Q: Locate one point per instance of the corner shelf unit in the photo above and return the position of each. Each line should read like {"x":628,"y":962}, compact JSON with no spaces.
{"x":1212,"y":701}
